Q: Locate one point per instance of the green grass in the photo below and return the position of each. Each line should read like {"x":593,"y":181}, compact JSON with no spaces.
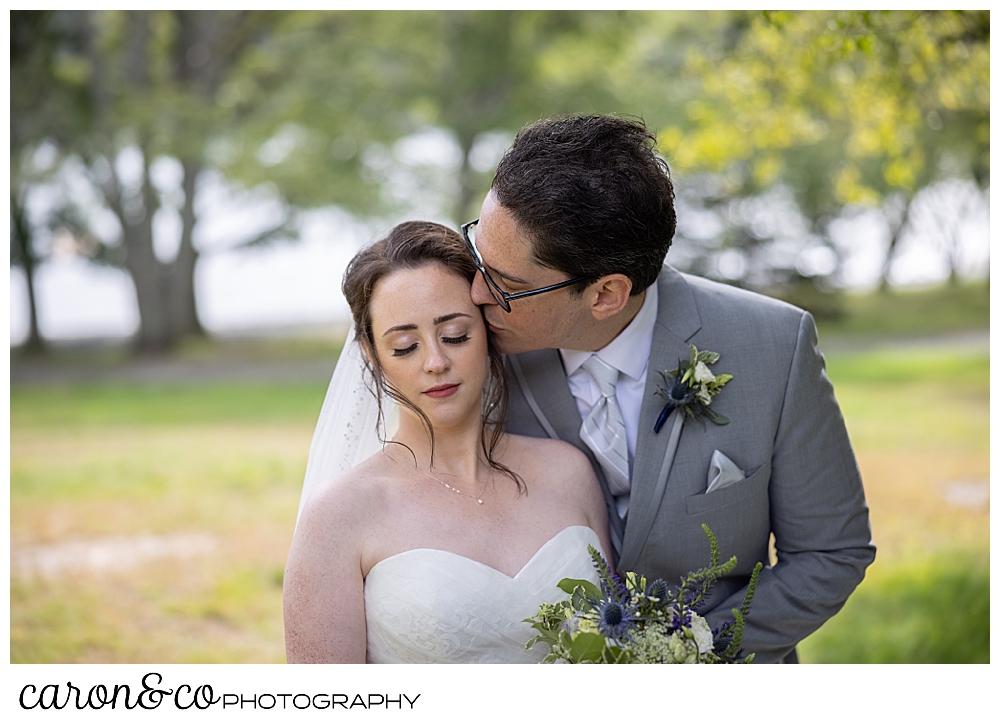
{"x":89,"y":461}
{"x":194,"y":349}
{"x":165,"y":405}
{"x":956,"y":370}
{"x":898,"y":313}
{"x":920,"y":400}
{"x":935,"y":610}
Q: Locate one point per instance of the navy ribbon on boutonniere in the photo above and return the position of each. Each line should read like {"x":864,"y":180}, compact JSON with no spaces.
{"x":691,"y":388}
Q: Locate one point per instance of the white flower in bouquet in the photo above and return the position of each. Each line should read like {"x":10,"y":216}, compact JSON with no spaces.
{"x":702,"y":634}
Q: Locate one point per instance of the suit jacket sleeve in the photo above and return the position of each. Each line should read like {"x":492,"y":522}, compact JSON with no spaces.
{"x":818,"y":512}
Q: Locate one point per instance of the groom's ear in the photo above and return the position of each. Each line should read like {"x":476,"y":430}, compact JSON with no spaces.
{"x":609,"y":295}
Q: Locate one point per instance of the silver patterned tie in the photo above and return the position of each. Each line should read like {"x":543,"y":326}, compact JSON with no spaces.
{"x":603,"y":430}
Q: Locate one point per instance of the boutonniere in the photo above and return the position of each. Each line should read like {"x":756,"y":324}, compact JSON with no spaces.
{"x":691,"y":388}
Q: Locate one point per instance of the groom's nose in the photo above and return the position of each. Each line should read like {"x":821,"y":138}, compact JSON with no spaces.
{"x":480,"y":291}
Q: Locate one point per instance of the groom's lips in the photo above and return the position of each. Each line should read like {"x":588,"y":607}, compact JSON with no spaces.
{"x":441,"y":391}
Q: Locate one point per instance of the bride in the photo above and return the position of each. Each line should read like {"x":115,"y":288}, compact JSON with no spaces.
{"x":434,"y":548}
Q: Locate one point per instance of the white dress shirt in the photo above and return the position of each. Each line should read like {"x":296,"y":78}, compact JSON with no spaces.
{"x":629,"y":354}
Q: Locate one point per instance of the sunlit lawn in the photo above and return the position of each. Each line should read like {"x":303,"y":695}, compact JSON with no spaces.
{"x":222,"y":462}
{"x":919,"y":421}
{"x":225,"y":463}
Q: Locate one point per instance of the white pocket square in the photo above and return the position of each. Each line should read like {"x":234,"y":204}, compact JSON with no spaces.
{"x":722,"y":473}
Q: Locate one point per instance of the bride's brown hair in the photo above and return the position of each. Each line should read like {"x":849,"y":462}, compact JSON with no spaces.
{"x":411,"y":245}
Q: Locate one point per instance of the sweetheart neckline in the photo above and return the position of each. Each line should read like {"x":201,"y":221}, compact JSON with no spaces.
{"x":480,"y":563}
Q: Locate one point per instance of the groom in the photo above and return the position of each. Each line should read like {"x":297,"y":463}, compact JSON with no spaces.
{"x":571,"y":242}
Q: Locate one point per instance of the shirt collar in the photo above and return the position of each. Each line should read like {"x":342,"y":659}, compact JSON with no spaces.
{"x":629,"y":351}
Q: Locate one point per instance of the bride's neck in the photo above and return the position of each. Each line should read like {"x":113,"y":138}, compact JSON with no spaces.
{"x":457,"y":449}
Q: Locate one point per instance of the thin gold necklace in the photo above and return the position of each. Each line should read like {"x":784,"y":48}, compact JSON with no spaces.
{"x":478,"y":498}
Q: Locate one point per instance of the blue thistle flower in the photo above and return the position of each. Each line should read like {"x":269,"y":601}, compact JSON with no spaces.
{"x":615,"y":620}
{"x":679,"y":394}
{"x":659,"y":589}
{"x":676,"y":393}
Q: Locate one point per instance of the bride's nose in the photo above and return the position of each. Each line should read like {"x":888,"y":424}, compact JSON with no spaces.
{"x":436,"y":360}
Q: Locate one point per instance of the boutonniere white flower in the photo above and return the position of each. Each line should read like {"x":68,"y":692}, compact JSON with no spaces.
{"x":691,"y":388}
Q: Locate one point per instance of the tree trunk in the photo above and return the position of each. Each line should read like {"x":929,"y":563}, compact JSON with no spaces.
{"x":890,"y":253}
{"x":22,"y":240}
{"x":34,"y":342}
{"x":185,"y":311}
{"x":155,"y":334}
{"x":150,"y":276}
{"x":466,"y":185}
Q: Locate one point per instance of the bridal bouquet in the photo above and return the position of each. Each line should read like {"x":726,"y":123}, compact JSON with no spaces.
{"x":630,"y":621}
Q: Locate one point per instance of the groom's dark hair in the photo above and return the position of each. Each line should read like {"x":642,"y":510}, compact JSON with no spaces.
{"x":593,"y":194}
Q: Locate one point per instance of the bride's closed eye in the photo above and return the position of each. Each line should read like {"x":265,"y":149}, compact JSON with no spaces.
{"x":446,"y":340}
{"x":404,"y":352}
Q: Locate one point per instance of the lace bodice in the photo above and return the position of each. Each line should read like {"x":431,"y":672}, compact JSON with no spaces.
{"x":428,"y":606}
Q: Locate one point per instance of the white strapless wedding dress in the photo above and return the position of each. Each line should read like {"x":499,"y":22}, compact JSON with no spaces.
{"x":428,"y":606}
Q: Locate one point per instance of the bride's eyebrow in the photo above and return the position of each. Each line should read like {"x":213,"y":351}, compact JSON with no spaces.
{"x":449,"y":317}
{"x":437,"y":321}
{"x":399,"y":328}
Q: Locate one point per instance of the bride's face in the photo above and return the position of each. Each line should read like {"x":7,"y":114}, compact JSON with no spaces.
{"x":431,"y":342}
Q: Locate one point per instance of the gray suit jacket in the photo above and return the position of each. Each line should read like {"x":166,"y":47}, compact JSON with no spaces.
{"x":786,"y":432}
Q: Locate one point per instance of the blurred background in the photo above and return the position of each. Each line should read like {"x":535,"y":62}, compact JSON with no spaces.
{"x":187,"y":187}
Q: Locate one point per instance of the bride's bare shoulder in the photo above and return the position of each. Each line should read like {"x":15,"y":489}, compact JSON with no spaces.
{"x":348,"y":500}
{"x":555,"y":457}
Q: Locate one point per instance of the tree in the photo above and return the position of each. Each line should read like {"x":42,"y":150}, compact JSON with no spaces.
{"x":359,"y":82}
{"x":41,"y":108}
{"x":138,"y":86}
{"x":844,"y":108}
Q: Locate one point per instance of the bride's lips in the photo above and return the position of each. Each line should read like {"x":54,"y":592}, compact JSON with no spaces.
{"x":441,"y":391}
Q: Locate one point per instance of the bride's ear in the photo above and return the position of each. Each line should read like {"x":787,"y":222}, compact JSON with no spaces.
{"x":368,"y":353}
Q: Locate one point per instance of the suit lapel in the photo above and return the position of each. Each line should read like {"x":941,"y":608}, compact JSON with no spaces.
{"x":542,"y":379}
{"x":677,"y":320}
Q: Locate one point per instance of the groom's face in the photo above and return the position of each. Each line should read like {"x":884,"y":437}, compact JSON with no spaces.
{"x":551,"y":320}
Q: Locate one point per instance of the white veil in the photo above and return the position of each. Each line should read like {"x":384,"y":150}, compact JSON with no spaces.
{"x":346,"y":431}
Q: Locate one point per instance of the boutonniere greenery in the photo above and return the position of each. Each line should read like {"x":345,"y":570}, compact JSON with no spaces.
{"x":691,"y":386}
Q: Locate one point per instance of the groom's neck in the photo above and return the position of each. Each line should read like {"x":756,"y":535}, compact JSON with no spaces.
{"x":601,"y":332}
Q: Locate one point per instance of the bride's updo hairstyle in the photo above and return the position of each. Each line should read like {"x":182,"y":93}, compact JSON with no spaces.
{"x":411,"y":245}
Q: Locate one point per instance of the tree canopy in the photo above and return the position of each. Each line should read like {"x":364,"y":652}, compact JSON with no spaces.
{"x":801,"y":114}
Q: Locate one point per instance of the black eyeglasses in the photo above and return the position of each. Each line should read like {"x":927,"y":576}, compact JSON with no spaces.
{"x":502,"y":297}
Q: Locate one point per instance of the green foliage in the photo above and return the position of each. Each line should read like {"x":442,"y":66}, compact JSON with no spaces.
{"x":875,"y":99}
{"x":737,"y":631}
{"x":751,"y":589}
{"x":713,"y":544}
{"x":628,"y":621}
{"x":570,"y":585}
{"x":935,"y":610}
{"x":339,"y":89}
{"x":587,"y":648}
